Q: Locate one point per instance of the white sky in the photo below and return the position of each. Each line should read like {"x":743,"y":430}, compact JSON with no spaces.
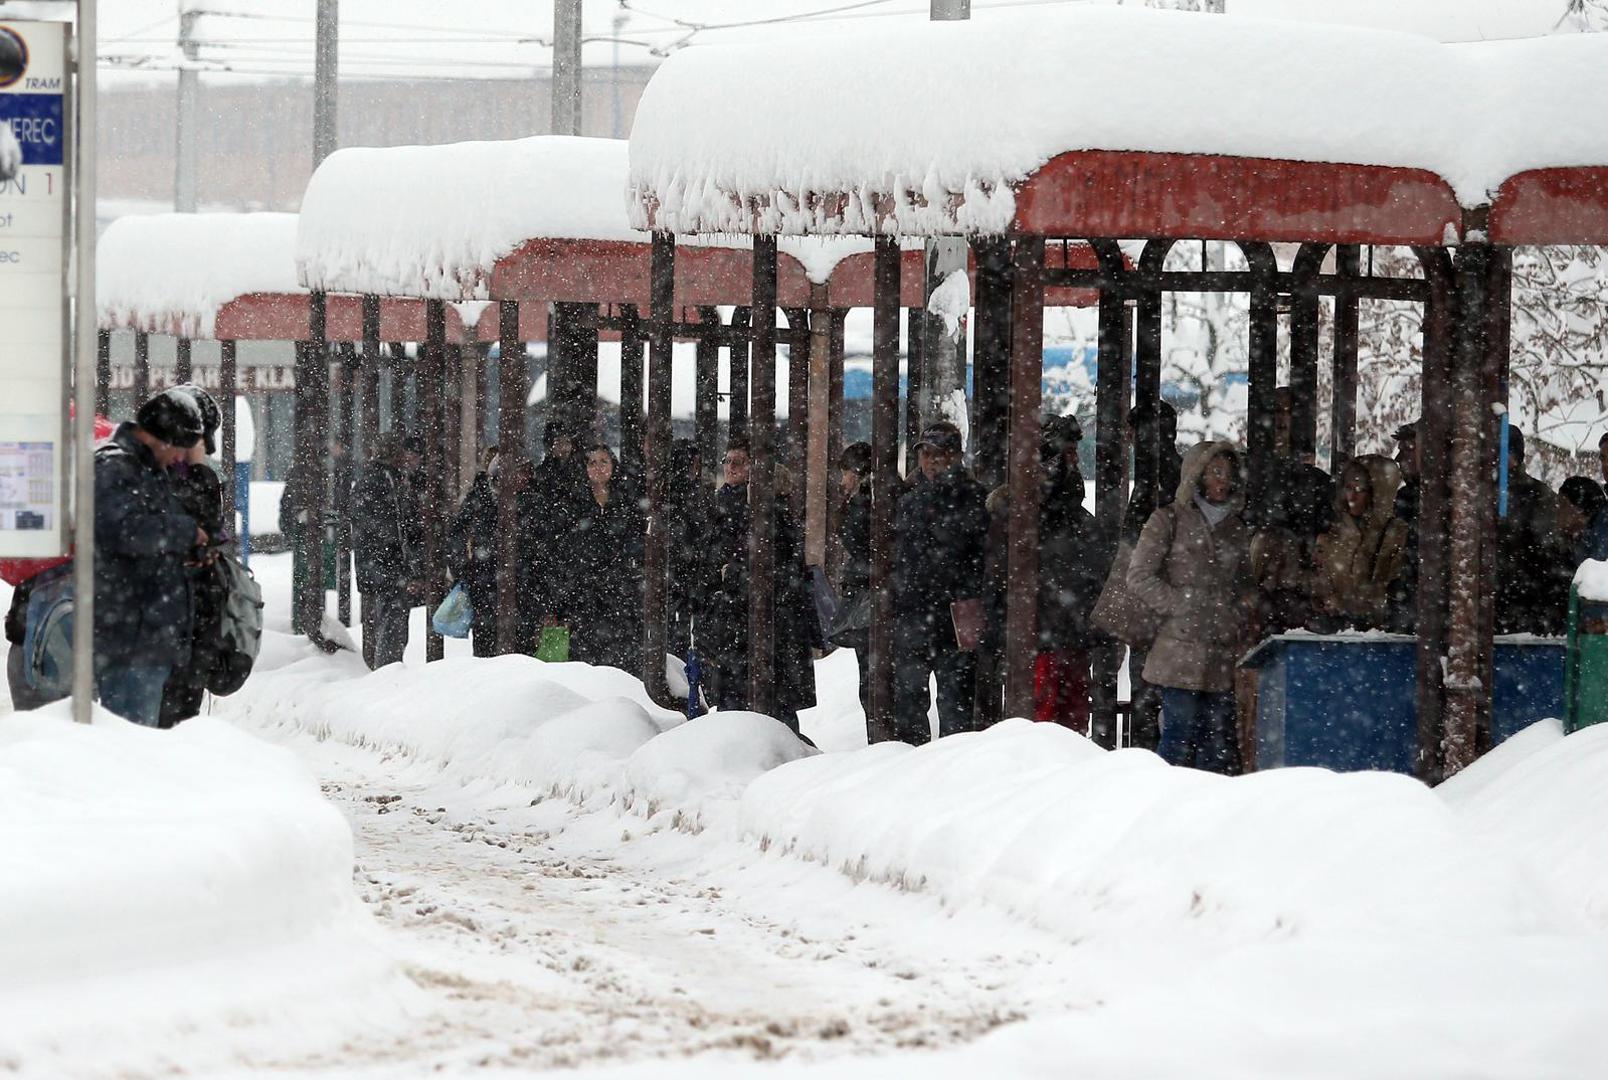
{"x":509,"y":38}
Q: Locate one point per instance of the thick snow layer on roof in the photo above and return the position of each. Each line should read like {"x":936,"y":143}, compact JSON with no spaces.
{"x":432,"y":221}
{"x":167,"y":273}
{"x":942,"y":118}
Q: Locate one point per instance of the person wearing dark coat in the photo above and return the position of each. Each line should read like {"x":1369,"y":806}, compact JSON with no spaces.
{"x":387,"y":535}
{"x":1528,"y":598}
{"x":200,"y":492}
{"x":852,"y":628}
{"x":548,"y":511}
{"x":688,"y":505}
{"x":1582,"y":524}
{"x":144,"y":538}
{"x":601,"y":579}
{"x":472,"y":552}
{"x":940,"y":537}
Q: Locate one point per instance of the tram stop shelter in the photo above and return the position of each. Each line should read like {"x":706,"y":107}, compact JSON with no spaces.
{"x":535,"y":231}
{"x":1321,"y":140}
{"x":232,"y":277}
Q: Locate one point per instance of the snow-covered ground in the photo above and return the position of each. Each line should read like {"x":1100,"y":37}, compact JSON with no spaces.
{"x":520,"y":867}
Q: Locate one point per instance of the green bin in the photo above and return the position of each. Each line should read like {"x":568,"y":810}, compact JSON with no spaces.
{"x":1585,"y":670}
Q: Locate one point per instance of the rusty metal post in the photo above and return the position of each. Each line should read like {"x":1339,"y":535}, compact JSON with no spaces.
{"x":819,"y":475}
{"x":313,"y":451}
{"x":368,"y":382}
{"x":990,"y":417}
{"x":656,"y":454}
{"x":1022,"y":473}
{"x":884,"y":481}
{"x":1262,"y":360}
{"x":1147,"y":373}
{"x":742,"y":347}
{"x":344,"y":399}
{"x":1110,"y":487}
{"x":798,"y":407}
{"x":1347,"y":318}
{"x":227,"y":380}
{"x":1434,"y":444}
{"x":451,"y":426}
{"x":469,"y":410}
{"x":142,"y":369}
{"x":834,"y":432}
{"x":183,"y":361}
{"x":1304,"y":319}
{"x":433,"y":419}
{"x":510,"y":437}
{"x":915,"y":380}
{"x":103,"y":373}
{"x":706,"y":389}
{"x":632,"y":346}
{"x":762,"y":485}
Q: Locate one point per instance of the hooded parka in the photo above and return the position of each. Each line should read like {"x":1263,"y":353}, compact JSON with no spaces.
{"x":1196,"y":575}
{"x":1357,"y":560}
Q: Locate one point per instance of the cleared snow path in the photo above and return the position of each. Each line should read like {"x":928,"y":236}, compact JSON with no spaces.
{"x":543,"y":940}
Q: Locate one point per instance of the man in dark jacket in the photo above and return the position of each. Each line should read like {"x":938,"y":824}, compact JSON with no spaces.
{"x":549,"y":510}
{"x":939,"y":539}
{"x":472,"y":552}
{"x":200,"y":492}
{"x":387,"y":532}
{"x":1531,"y":598}
{"x":143,"y":539}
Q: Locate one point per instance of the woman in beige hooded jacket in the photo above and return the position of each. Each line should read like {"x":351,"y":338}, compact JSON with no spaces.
{"x":1192,"y":566}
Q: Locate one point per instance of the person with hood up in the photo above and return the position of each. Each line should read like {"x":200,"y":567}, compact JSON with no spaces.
{"x":1360,"y":556}
{"x":940,"y":541}
{"x":601,"y":575}
{"x":1192,"y":567}
{"x":144,"y":543}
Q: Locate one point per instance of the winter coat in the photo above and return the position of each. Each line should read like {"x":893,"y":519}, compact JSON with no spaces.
{"x":1197,"y":577}
{"x":1074,"y":559}
{"x":1358,"y":561}
{"x":1282,"y":569}
{"x":200,"y":491}
{"x":1532,"y":595}
{"x":547,"y":514}
{"x":144,"y":599}
{"x":688,"y":511}
{"x":940,"y":542}
{"x":387,"y":530}
{"x":600,"y":580}
{"x":472,"y":542}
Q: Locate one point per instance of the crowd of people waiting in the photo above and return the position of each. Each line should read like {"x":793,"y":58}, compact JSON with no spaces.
{"x":1188,"y":583}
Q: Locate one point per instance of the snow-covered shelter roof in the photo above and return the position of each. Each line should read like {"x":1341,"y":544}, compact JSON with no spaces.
{"x":173,"y":273}
{"x":1101,"y":121}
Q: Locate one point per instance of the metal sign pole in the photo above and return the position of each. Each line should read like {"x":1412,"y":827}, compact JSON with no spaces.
{"x":85,"y":341}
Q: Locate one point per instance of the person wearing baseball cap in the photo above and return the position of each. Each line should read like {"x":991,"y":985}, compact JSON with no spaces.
{"x":144,"y":605}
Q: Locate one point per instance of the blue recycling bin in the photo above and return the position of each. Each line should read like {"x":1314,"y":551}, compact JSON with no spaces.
{"x":1349,"y":702}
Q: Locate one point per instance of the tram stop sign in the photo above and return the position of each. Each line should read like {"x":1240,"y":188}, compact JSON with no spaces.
{"x":34,"y":262}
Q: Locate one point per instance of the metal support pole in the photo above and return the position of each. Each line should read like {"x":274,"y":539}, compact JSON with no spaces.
{"x":1347,"y":316}
{"x":142,"y":369}
{"x":228,"y":379}
{"x":884,"y":482}
{"x":1111,"y":399}
{"x":313,"y":456}
{"x":656,"y":454}
{"x":798,"y":408}
{"x":741,"y":351}
{"x":368,"y":409}
{"x":103,"y":373}
{"x":187,"y":126}
{"x":85,"y":389}
{"x":1262,"y":362}
{"x":818,"y":473}
{"x":433,"y":419}
{"x":706,"y":391}
{"x":762,"y":486}
{"x":915,"y":381}
{"x":632,"y":347}
{"x":991,"y":360}
{"x":326,"y":76}
{"x":183,"y":362}
{"x":1434,"y":442}
{"x":510,"y":432}
{"x":834,"y":432}
{"x":1022,"y":471}
{"x":1304,"y":318}
{"x":345,"y":426}
{"x":566,"y":67}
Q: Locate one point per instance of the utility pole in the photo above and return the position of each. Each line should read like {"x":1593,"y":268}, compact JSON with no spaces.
{"x":326,"y":73}
{"x":184,"y":172}
{"x":566,"y":67}
{"x":943,"y":354}
{"x":85,"y":342}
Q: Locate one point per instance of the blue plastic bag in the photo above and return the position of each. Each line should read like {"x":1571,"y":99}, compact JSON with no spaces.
{"x":455,"y":615}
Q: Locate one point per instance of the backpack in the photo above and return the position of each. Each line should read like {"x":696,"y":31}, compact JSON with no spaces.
{"x":47,"y":644}
{"x":240,"y":627}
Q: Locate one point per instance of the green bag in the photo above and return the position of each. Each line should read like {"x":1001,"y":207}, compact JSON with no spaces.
{"x":554,"y":644}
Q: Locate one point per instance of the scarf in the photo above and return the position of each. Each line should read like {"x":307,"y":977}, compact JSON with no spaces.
{"x":1213,"y":513}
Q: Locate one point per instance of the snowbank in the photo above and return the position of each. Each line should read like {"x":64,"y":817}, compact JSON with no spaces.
{"x":170,"y":273}
{"x":707,"y":762}
{"x":879,"y":115}
{"x":158,"y":878}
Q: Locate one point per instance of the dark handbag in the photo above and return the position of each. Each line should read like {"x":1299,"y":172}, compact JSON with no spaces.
{"x":1119,"y":612}
{"x":852,"y":623}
